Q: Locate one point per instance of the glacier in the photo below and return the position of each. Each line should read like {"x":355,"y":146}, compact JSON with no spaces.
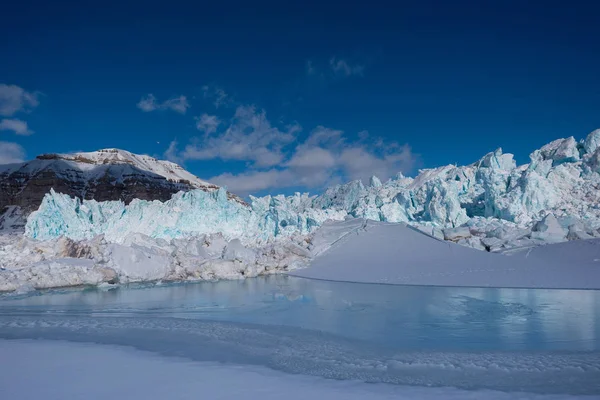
{"x":499,"y":203}
{"x":492,"y":204}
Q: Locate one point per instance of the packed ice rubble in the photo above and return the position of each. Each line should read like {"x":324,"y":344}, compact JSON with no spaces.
{"x":27,"y":264}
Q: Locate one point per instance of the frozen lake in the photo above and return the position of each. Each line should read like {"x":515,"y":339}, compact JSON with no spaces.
{"x":531,"y":340}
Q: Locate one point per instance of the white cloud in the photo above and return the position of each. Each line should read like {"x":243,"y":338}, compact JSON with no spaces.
{"x":15,"y":99}
{"x":276,"y":159}
{"x":253,"y":181}
{"x":343,"y":68}
{"x":360,"y":163}
{"x":219,"y":97}
{"x":311,"y":157}
{"x":172,"y":154}
{"x":207,"y":123}
{"x":249,"y":137}
{"x":11,"y":153}
{"x":15,"y":125}
{"x":149,"y":103}
{"x":323,"y":159}
{"x":325,"y":136}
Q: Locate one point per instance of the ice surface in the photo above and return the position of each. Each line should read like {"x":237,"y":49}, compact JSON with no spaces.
{"x":538,"y":341}
{"x":110,"y":372}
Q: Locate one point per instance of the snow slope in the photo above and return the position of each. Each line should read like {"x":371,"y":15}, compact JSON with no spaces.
{"x":376,"y":252}
{"x":167,"y":169}
{"x":96,"y":163}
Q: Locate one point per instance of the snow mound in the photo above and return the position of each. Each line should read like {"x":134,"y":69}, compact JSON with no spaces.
{"x":376,"y":252}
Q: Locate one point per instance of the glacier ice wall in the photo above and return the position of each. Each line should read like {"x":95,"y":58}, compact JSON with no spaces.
{"x":190,"y":213}
{"x":492,"y":196}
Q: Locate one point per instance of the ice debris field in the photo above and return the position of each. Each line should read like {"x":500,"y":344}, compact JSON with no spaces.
{"x":492,"y":206}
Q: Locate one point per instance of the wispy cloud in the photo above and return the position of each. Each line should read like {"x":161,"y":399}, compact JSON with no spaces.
{"x":276,"y":158}
{"x":15,"y":125}
{"x":207,"y":123}
{"x":310,"y":68}
{"x":343,"y":68}
{"x":333,"y":69}
{"x":249,"y":137}
{"x":217,"y":95}
{"x":149,"y":103}
{"x":253,"y":181}
{"x":172,"y":154}
{"x":14,"y":99}
{"x":11,"y":153}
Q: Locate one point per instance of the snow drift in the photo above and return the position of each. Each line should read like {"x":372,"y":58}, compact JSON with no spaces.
{"x":376,"y":252}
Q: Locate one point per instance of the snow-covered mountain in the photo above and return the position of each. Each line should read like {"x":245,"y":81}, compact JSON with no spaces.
{"x":109,"y":174}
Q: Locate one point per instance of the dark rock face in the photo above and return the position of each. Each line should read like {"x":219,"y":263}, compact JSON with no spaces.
{"x":27,"y":190}
{"x":25,"y":185}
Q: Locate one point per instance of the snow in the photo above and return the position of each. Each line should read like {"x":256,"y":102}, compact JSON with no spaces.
{"x":491,"y":205}
{"x":62,"y":370}
{"x":376,"y":252}
{"x":64,"y":262}
{"x":12,"y":219}
{"x":168,"y":169}
{"x":492,"y":194}
{"x":96,"y":162}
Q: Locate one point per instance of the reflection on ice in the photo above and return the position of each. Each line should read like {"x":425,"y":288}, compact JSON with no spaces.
{"x":399,"y":317}
{"x":545,"y":341}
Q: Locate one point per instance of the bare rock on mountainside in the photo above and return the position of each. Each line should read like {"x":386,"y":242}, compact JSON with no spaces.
{"x":109,"y":174}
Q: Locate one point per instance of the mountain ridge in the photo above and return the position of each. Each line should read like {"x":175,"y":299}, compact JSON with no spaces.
{"x":106,"y":174}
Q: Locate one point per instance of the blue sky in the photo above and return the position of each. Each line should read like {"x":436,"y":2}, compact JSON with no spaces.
{"x":283,"y":96}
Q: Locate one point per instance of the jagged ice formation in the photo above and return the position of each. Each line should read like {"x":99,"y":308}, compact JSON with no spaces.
{"x":493,"y":197}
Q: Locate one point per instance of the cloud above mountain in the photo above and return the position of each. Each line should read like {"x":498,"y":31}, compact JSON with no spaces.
{"x":285,"y":157}
{"x":11,"y":153}
{"x":149,"y":103}
{"x":16,"y":126}
{"x":14,"y":99}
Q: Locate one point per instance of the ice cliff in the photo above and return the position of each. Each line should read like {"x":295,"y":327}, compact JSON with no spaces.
{"x":187,"y":214}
